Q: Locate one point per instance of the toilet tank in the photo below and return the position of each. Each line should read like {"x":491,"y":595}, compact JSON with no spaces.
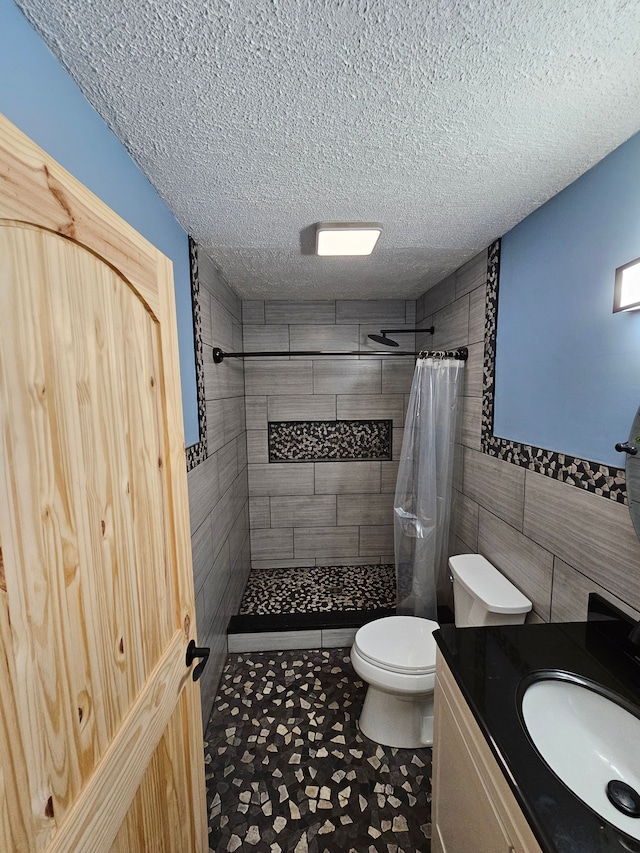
{"x":484,"y":596}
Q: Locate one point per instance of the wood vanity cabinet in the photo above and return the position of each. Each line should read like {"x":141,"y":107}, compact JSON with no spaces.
{"x":473,"y":806}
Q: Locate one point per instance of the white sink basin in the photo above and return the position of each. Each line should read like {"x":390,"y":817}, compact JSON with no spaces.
{"x":587,"y":740}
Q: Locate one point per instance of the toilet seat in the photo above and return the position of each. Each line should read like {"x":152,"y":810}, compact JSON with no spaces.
{"x":401,"y":644}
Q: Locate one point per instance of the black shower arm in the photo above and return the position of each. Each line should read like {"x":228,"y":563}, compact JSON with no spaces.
{"x":386,"y":332}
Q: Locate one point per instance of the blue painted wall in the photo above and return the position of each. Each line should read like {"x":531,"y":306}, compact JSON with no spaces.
{"x":567,"y":368}
{"x":40,"y":97}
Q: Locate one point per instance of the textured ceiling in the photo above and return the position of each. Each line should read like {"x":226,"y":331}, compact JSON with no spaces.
{"x":446,"y":120}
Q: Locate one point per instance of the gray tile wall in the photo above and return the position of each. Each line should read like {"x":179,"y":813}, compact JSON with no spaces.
{"x":218,"y":489}
{"x":556,"y":542}
{"x":323,"y":513}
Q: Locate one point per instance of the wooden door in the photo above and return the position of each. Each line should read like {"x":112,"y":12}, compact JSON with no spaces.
{"x":100,"y":731}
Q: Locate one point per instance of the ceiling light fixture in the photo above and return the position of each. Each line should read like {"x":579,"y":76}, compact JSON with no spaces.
{"x":626,"y":295}
{"x":346,"y":238}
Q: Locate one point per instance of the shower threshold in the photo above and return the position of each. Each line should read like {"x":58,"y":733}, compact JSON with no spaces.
{"x":281,"y":631}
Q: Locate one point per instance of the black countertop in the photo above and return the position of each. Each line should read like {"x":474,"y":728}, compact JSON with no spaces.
{"x":490,"y":664}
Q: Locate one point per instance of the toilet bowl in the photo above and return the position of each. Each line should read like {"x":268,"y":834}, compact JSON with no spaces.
{"x":396,"y":655}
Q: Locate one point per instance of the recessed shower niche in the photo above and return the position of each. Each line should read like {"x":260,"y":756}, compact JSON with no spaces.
{"x":330,"y":441}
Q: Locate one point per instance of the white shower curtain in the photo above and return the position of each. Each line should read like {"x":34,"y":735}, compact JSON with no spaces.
{"x":422,"y":503}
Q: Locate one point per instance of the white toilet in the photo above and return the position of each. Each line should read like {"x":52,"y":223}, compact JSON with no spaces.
{"x":396,"y":655}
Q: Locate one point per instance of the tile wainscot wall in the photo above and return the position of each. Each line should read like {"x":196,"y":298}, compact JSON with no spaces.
{"x":218,"y":494}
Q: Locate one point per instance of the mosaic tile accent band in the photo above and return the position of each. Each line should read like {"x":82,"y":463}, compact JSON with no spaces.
{"x":288,"y":770}
{"x":490,"y":331}
{"x":197,"y":453}
{"x":329,"y":441}
{"x":604,"y":480}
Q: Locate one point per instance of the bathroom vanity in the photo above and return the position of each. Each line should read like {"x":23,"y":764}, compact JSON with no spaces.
{"x":473,"y":806}
{"x":492,"y":791}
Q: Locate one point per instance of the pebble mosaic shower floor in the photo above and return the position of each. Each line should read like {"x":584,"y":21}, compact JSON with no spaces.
{"x":320,"y":589}
{"x":288,"y":770}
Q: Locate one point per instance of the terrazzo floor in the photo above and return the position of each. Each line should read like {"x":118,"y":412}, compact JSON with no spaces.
{"x":319,"y":589}
{"x":288,"y":770}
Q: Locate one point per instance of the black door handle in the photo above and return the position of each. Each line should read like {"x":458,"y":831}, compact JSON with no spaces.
{"x":194,"y":652}
{"x":626,"y":448}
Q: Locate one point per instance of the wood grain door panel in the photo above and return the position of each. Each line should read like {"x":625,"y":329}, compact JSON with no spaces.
{"x":98,"y":712}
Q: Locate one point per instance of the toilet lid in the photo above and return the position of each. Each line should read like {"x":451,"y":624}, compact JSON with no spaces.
{"x":399,"y":644}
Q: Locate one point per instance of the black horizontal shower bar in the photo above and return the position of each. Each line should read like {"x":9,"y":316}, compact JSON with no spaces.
{"x":219,"y":355}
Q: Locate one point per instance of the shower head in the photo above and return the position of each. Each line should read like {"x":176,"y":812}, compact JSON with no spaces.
{"x":383,"y":339}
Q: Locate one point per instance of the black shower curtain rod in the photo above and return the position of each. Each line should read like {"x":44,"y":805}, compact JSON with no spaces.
{"x":461,"y":354}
